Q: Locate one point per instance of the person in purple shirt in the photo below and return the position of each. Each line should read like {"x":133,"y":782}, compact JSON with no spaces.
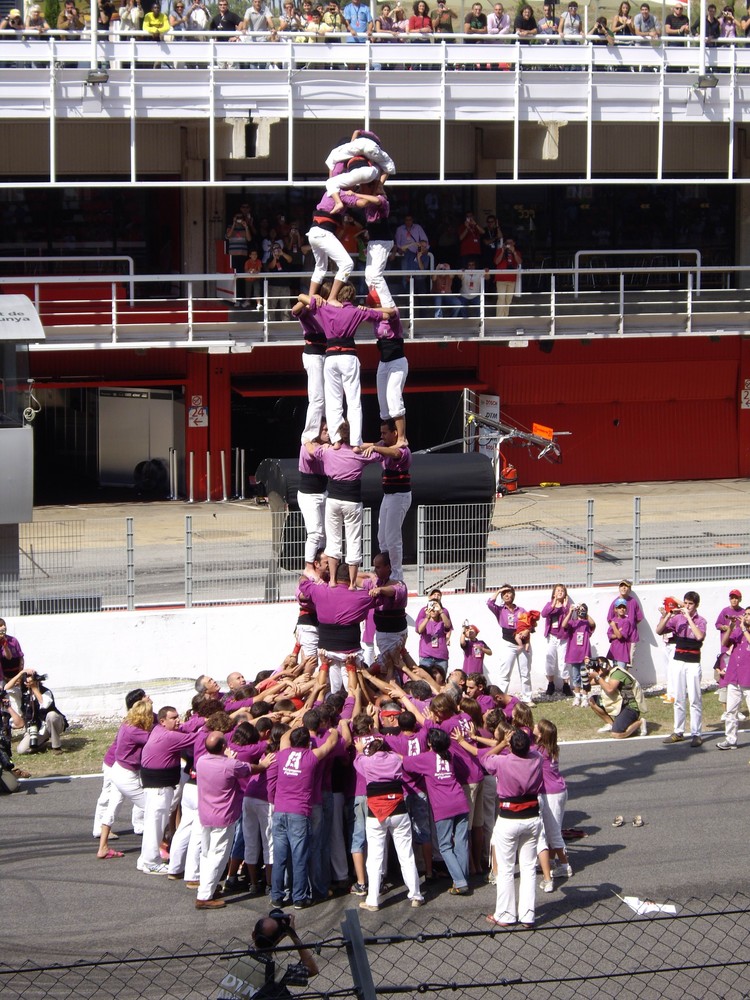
{"x":311,"y":495}
{"x":737,"y":677}
{"x":475,"y":651}
{"x":686,"y":630}
{"x":379,"y":246}
{"x":554,"y":798}
{"x":160,"y":775}
{"x":131,"y":738}
{"x":409,"y":740}
{"x":389,"y":613}
{"x":396,"y":462}
{"x":325,"y":244}
{"x":292,"y":827}
{"x":343,"y":509}
{"x":634,"y":614}
{"x":578,"y":626}
{"x":553,"y":613}
{"x":110,"y":798}
{"x":11,"y":663}
{"x":620,"y":634}
{"x":393,"y":369}
{"x":476,"y":688}
{"x":726,"y":620}
{"x":510,"y":653}
{"x":313,"y":358}
{"x":444,"y":773}
{"x":433,"y":631}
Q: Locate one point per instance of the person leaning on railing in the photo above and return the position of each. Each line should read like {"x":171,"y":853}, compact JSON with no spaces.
{"x":622,"y":22}
{"x":442,"y":20}
{"x":155,"y":23}
{"x":131,"y":17}
{"x":713,"y":28}
{"x":676,"y":24}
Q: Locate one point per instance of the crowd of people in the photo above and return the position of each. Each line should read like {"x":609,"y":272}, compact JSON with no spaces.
{"x":354,"y":21}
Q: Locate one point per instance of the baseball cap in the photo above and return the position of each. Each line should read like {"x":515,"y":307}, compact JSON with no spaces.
{"x":14,"y":13}
{"x":628,"y":583}
{"x":735,"y":593}
{"x":621,"y":602}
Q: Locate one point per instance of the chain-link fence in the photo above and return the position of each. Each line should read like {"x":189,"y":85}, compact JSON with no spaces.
{"x":598,"y":950}
{"x":224,"y":554}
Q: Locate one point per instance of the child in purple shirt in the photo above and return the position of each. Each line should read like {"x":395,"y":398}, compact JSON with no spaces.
{"x":579,"y":626}
{"x":621,"y":633}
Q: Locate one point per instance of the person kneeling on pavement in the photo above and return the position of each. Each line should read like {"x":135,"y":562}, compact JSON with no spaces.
{"x":620,"y":705}
{"x":43,"y":723}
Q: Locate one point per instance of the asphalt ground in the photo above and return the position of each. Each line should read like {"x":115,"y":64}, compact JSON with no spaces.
{"x":62,"y":905}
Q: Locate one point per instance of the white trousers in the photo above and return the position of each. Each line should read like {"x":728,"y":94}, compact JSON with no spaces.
{"x":376,"y":262}
{"x":387,"y":641}
{"x":390,"y":381}
{"x":316,"y":402}
{"x":552,"y":808}
{"x":216,"y":846}
{"x":687,"y":685}
{"x":344,"y":519}
{"x":511,"y":837}
{"x":339,"y":853}
{"x":735,"y":694}
{"x":312,"y":507}
{"x":669,"y":657}
{"x":128,"y":783}
{"x":393,"y":510}
{"x":554,"y":659}
{"x":341,"y":379}
{"x":307,"y":637}
{"x":108,"y":802}
{"x":49,"y":732}
{"x":351,"y":178}
{"x":156,"y":816}
{"x":185,"y":849}
{"x":399,"y":827}
{"x":500,"y":669}
{"x":327,"y":245}
{"x":257,"y":820}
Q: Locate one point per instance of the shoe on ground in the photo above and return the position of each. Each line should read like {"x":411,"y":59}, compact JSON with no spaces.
{"x":550,"y":689}
{"x":176,"y":876}
{"x":417,"y":901}
{"x":566,"y":690}
{"x":562,"y":871}
{"x":209,"y":904}
{"x":277,"y":903}
{"x":643,"y":731}
{"x":724,"y":717}
{"x":459,"y":890}
{"x":674,"y":738}
{"x":302,"y":904}
{"x":192,"y":885}
{"x":726,"y":745}
{"x":369,"y":906}
{"x":741,"y":717}
{"x":358,"y":889}
{"x":576,"y":701}
{"x":492,"y":878}
{"x":696,"y":741}
{"x":529,"y":701}
{"x":547,"y":885}
{"x":234,"y":885}
{"x":605,"y":729}
{"x":667,"y":699}
{"x":151,"y":869}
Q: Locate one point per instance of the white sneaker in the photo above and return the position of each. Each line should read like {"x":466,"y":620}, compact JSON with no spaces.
{"x":576,"y":701}
{"x":740,"y":718}
{"x":562,"y":871}
{"x":547,"y":885}
{"x":724,"y":717}
{"x":644,"y":728}
{"x":605,"y":729}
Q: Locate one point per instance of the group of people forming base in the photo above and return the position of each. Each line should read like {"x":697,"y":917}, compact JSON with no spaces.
{"x":280,"y":786}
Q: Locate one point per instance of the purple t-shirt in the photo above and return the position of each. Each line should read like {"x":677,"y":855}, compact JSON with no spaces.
{"x":338,"y":605}
{"x":486,"y":703}
{"x":619,"y":649}
{"x":343,"y":463}
{"x":342,"y":322}
{"x":295,"y":781}
{"x":462,"y":721}
{"x":310,"y":464}
{"x":507,"y":618}
{"x":473,"y":657}
{"x":726,"y":614}
{"x":219,"y":789}
{"x":579,"y":640}
{"x":409,"y":745}
{"x":389,"y":328}
{"x":515,"y":775}
{"x":433,"y":640}
{"x":165,"y":747}
{"x":553,"y":619}
{"x":130,"y":743}
{"x":633,"y":614}
{"x":11,"y":665}
{"x":554,"y":783}
{"x":441,"y":779}
{"x":738,"y":669}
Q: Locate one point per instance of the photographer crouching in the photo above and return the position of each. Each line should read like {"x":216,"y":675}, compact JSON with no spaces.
{"x":257,"y":975}
{"x":620,"y":703}
{"x":42,"y":722}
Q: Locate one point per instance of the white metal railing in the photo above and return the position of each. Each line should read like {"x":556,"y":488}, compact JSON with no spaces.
{"x":76,"y":261}
{"x":650,"y":255}
{"x":625,"y":301}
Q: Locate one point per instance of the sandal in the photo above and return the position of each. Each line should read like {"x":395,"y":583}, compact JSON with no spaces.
{"x":490,"y":918}
{"x":638,"y":821}
{"x":110,"y":854}
{"x":619,"y":821}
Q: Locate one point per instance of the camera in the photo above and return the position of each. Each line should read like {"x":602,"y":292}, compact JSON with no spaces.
{"x":33,"y":733}
{"x":267,"y":941}
{"x":582,"y":611}
{"x":432,"y":605}
{"x":465,"y":624}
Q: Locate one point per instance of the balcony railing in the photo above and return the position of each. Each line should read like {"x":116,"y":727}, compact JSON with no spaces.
{"x":656,"y":299}
{"x":252,"y":79}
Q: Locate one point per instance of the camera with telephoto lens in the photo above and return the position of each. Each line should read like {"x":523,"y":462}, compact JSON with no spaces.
{"x":32,"y":731}
{"x":283,"y":923}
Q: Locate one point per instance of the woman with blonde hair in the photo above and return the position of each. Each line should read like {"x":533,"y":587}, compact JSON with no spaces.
{"x":553,"y":799}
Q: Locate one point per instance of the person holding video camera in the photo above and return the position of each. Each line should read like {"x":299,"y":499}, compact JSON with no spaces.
{"x":44,"y":724}
{"x":618,"y":706}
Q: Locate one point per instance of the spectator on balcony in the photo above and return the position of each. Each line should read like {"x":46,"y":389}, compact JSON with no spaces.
{"x":622,"y":22}
{"x":676,"y":24}
{"x":470,"y":235}
{"x":279,"y":289}
{"x":420,"y":22}
{"x":727,"y":22}
{"x":237,"y":240}
{"x":226,"y":20}
{"x":426,"y":265}
{"x":359,"y":21}
{"x":407,"y":239}
{"x":106,"y":12}
{"x":178,"y":20}
{"x":472,"y":282}
{"x":570,"y":27}
{"x":258,"y":19}
{"x":548,"y":24}
{"x":507,"y":263}
{"x":442,"y":289}
{"x":291,"y":18}
{"x":400,"y":21}
{"x":713,"y":28}
{"x":600,"y":33}
{"x":492,"y":240}
{"x":131,"y":17}
{"x":498,"y":22}
{"x":252,"y":282}
{"x":156,"y":24}
{"x":36,"y":27}
{"x":442,"y":20}
{"x":645,"y":24}
{"x":475,"y":24}
{"x":525,"y":25}
{"x":198,"y":19}
{"x":70,"y":20}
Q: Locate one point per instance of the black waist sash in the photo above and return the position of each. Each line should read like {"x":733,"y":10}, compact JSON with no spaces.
{"x":509,"y":634}
{"x":317,"y":347}
{"x":312,"y":482}
{"x":391,"y":348}
{"x":339,"y":638}
{"x":307,"y":616}
{"x":518,"y":806}
{"x":341,"y":345}
{"x":160,"y":777}
{"x":396,"y":482}
{"x":688,"y":649}
{"x":393,"y":620}
{"x":325,"y":220}
{"x":345,"y":489}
